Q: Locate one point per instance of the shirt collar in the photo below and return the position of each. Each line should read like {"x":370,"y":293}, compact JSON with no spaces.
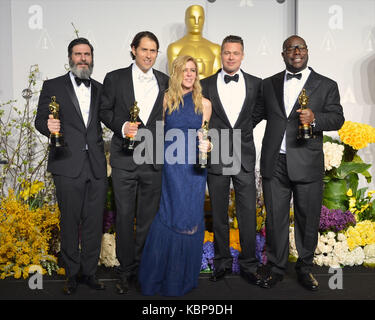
{"x":138,"y":71}
{"x":304,"y":72}
{"x":223,"y":74}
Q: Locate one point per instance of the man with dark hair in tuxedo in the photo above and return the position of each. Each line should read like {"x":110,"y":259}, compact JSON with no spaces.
{"x":78,"y":166}
{"x":136,"y":186}
{"x":291,"y":166}
{"x":234,"y":95}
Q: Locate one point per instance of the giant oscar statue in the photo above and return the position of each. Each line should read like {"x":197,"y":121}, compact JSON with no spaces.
{"x":193,"y":44}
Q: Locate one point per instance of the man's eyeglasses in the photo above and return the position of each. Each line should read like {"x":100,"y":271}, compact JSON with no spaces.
{"x":291,"y":49}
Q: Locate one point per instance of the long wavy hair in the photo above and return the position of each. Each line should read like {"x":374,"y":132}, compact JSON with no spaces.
{"x":174,"y":94}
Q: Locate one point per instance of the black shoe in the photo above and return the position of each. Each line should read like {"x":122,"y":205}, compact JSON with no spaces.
{"x":93,"y":283}
{"x":251,"y":277}
{"x":219,"y":275}
{"x":308,"y":281}
{"x":70,"y":286}
{"x":269,"y":280}
{"x":122,"y":286}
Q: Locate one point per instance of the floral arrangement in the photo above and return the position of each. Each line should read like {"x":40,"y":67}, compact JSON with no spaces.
{"x":362,"y":234}
{"x":335,"y":219}
{"x":23,"y":150}
{"x":333,"y":153}
{"x":235,"y":249}
{"x":343,"y":164}
{"x":361,"y":205}
{"x":347,"y":221}
{"x":209,"y":251}
{"x":333,"y":250}
{"x":357,"y":135}
{"x":108,"y":251}
{"x":26,"y":232}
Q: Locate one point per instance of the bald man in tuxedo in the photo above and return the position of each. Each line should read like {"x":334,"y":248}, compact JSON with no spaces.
{"x":291,"y":166}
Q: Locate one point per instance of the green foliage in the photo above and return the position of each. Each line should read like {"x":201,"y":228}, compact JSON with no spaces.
{"x":23,"y":150}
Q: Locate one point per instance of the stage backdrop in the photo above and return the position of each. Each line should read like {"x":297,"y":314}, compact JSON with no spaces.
{"x":340,"y":35}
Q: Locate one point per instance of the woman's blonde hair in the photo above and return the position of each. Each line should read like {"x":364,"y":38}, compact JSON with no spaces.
{"x":174,"y":94}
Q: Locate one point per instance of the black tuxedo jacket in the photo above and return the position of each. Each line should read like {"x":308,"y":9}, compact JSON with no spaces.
{"x":68,"y":160}
{"x":305,"y":158}
{"x":116,"y":101}
{"x":219,"y":120}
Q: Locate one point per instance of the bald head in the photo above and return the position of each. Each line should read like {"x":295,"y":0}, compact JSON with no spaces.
{"x":295,"y":54}
{"x":291,"y":38}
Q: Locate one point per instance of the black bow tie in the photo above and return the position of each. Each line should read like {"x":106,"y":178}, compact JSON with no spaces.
{"x":295,"y":75}
{"x":86,"y":82}
{"x":228,"y":79}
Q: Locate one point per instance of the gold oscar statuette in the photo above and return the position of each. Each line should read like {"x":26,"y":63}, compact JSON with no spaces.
{"x":56,"y":138}
{"x":304,"y":130}
{"x":130,"y":140}
{"x":203,"y":156}
{"x":194,"y":44}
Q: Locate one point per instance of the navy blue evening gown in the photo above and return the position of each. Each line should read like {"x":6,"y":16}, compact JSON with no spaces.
{"x":171,"y":259}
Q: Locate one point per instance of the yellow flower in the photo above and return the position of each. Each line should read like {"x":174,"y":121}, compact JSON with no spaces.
{"x":234,"y":239}
{"x":362,"y":234}
{"x":61,"y":271}
{"x":349,"y":193}
{"x":357,"y":135}
{"x":25,"y":233}
{"x":352,"y":202}
{"x":208,"y":236}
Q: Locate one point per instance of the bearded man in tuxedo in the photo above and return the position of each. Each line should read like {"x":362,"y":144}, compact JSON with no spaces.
{"x":78,"y":166}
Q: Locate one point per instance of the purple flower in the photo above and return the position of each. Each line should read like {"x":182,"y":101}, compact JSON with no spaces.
{"x":335,"y":219}
{"x":109,"y":219}
{"x":260,"y":242}
{"x":235,"y":265}
{"x":209,"y":253}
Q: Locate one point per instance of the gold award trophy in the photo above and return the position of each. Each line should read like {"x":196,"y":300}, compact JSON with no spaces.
{"x":56,"y":138}
{"x":134,"y":112}
{"x":194,"y":44}
{"x":304,"y":130}
{"x":203,"y":156}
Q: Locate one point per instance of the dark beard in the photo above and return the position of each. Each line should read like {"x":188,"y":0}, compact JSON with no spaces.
{"x":81,"y":73}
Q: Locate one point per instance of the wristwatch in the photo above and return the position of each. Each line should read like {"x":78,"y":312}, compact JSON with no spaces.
{"x":313,"y":123}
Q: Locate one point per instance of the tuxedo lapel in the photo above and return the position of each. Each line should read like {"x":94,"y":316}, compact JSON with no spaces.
{"x":311,"y":84}
{"x":246,"y":105}
{"x":216,"y":103}
{"x":94,"y":91}
{"x":157,"y":108}
{"x":73,"y":96}
{"x":126,"y":82}
{"x":278,"y":86}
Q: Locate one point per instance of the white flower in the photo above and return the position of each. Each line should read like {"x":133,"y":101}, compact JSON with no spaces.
{"x":318,"y":259}
{"x":331,"y":242}
{"x":331,"y":235}
{"x":292,"y":243}
{"x":333,"y":153}
{"x":108,"y":251}
{"x":355,"y":257}
{"x":369,"y":251}
{"x":334,"y":262}
{"x":341,"y":237}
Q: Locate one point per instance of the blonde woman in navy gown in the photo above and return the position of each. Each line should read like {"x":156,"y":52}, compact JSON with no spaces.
{"x":172,"y":255}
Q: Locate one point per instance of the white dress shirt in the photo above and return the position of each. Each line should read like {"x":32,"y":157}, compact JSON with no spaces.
{"x":146,"y":91}
{"x":232,"y":95}
{"x":83,"y":94}
{"x":292,"y":90}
